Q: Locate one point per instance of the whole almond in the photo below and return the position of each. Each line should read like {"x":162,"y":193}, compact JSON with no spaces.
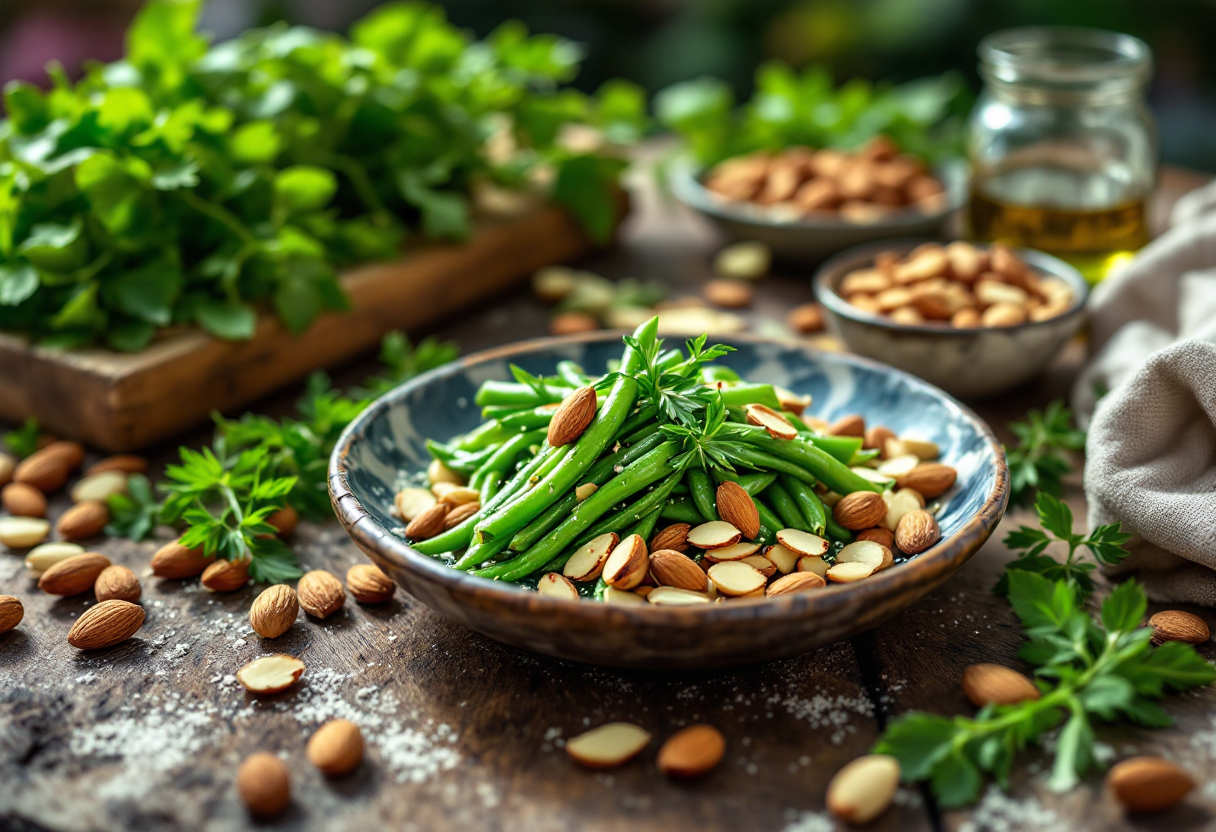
{"x":264,"y":784}
{"x":336,"y":748}
{"x":863,"y":789}
{"x":427,"y":524}
{"x":285,"y":521}
{"x":692,"y":752}
{"x":126,"y":463}
{"x":274,"y":611}
{"x":805,"y":319}
{"x":878,"y":535}
{"x":671,"y":568}
{"x":1148,"y":784}
{"x":459,"y":514}
{"x":931,"y":479}
{"x":736,"y":507}
{"x":83,"y":520}
{"x":46,"y":472}
{"x":876,"y":437}
{"x":106,"y":624}
{"x":368,"y":584}
{"x":68,"y":452}
{"x":320,"y":593}
{"x":73,"y":576}
{"x":11,"y":612}
{"x":852,"y":425}
{"x":117,"y":582}
{"x":673,"y":537}
{"x":916,"y":532}
{"x":226,"y":575}
{"x":730,"y":294}
{"x":173,"y":560}
{"x":860,"y":510}
{"x":8,"y":464}
{"x":23,"y":500}
{"x":572,"y":417}
{"x":1176,"y":625}
{"x":994,"y":684}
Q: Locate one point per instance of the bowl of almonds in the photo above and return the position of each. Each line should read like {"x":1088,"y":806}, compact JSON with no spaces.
{"x":974,"y":319}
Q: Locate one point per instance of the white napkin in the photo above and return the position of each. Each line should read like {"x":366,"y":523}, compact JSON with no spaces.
{"x":1149,"y":396}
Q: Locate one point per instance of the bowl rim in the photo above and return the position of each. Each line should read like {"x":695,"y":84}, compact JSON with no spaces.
{"x":384,"y":547}
{"x":826,"y":276}
{"x":683,"y":178}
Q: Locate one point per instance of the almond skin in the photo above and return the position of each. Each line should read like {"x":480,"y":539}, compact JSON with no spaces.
{"x":264,"y":784}
{"x":74,"y":575}
{"x":8,"y":465}
{"x":673,"y":537}
{"x":459,"y":514}
{"x":860,"y":510}
{"x":321,"y":594}
{"x":876,"y":437}
{"x":226,"y":575}
{"x":736,"y":507}
{"x":1148,"y":784}
{"x":879,"y":535}
{"x":126,"y":463}
{"x":368,"y":584}
{"x":285,"y":520}
{"x":852,"y":425}
{"x":83,"y":520}
{"x":173,"y":560}
{"x":994,"y":684}
{"x":11,"y":612}
{"x":23,"y":500}
{"x":916,"y":532}
{"x":572,"y":417}
{"x":1176,"y":625}
{"x":671,"y":568}
{"x":117,"y":582}
{"x":274,"y":611}
{"x":68,"y":452}
{"x":336,"y":748}
{"x":106,"y":624}
{"x":427,"y":524}
{"x":46,"y":472}
{"x":931,"y":479}
{"x":795,"y":582}
{"x":692,"y":752}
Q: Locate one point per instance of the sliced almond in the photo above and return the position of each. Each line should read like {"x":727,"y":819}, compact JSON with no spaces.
{"x":865,"y":552}
{"x":735,"y":578}
{"x":784,"y":559}
{"x":920,"y":448}
{"x":411,"y":502}
{"x":588,"y":562}
{"x":437,"y":472}
{"x":843,"y":573}
{"x":99,"y":486}
{"x":898,"y":466}
{"x":899,"y":504}
{"x":777,"y":425}
{"x":802,"y":543}
{"x":795,"y":582}
{"x":455,"y":495}
{"x":42,"y":558}
{"x":622,"y":597}
{"x":585,"y":490}
{"x":759,"y":562}
{"x":670,"y":596}
{"x":270,"y":674}
{"x":627,"y":564}
{"x":675,"y":569}
{"x":23,"y":532}
{"x":818,"y":566}
{"x":738,"y":551}
{"x":609,"y":745}
{"x":556,"y":585}
{"x":714,"y":535}
{"x":872,"y":475}
{"x":692,"y":751}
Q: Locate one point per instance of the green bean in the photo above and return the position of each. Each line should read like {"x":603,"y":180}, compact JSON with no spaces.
{"x":797,"y":422}
{"x":650,"y":468}
{"x":864,"y":456}
{"x":718,"y":373}
{"x":753,"y":484}
{"x":536,"y":417}
{"x":743,"y":393}
{"x":645,"y":527}
{"x":490,"y":486}
{"x":763,"y":460}
{"x":808,"y":501}
{"x":770,"y":523}
{"x":502,"y":458}
{"x":488,"y":433}
{"x":617,"y":521}
{"x":681,"y":510}
{"x":703,"y":496}
{"x":842,"y":448}
{"x":479,"y":553}
{"x":669,"y":360}
{"x":836,"y":531}
{"x":826,"y":468}
{"x":638,"y":419}
{"x":573,"y":374}
{"x":785,"y":507}
{"x":462,"y":463}
{"x":513,"y":393}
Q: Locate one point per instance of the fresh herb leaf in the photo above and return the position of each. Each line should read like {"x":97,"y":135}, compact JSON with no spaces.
{"x":1039,"y":460}
{"x":403,"y":360}
{"x":713,"y":443}
{"x":24,"y":440}
{"x":134,"y":515}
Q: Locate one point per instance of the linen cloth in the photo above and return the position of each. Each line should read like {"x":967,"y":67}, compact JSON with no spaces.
{"x":1148,"y":395}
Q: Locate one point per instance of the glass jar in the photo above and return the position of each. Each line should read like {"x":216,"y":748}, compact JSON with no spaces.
{"x":1062,"y":147}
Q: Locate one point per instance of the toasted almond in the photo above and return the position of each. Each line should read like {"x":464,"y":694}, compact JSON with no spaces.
{"x":759,"y":562}
{"x":1176,"y":625}
{"x":879,"y":535}
{"x":900,"y":503}
{"x":736,"y":507}
{"x":455,"y":495}
{"x":45,"y":471}
{"x":863,"y":789}
{"x":368,"y":584}
{"x":673,"y":537}
{"x":572,"y":323}
{"x":777,"y":425}
{"x":803,"y":544}
{"x":714,"y":535}
{"x":83,"y":520}
{"x":23,"y":500}
{"x":731,"y":294}
{"x":585,"y":490}
{"x":1149,"y":784}
{"x":795,"y":582}
{"x":860,"y":510}
{"x":671,"y":568}
{"x":864,"y":551}
{"x":876,"y":437}
{"x":843,"y":573}
{"x":791,"y":402}
{"x":994,"y":684}
{"x":427,"y":524}
{"x":42,"y":558}
{"x":738,"y":551}
{"x":572,"y":417}
{"x":922,"y":449}
{"x":173,"y":560}
{"x":897,"y":466}
{"x":852,"y":425}
{"x":122,"y":463}
{"x":320,"y":593}
{"x":587,"y":563}
{"x":735,"y":578}
{"x":557,"y":585}
{"x":692,"y":752}
{"x":11,"y":612}
{"x":226,"y":575}
{"x":73,"y":575}
{"x":117,"y":582}
{"x":284,"y":521}
{"x":67,"y":451}
{"x":916,"y":532}
{"x":670,"y":596}
{"x":813,"y":564}
{"x":460,"y":514}
{"x":411,"y":502}
{"x":437,"y":472}
{"x":336,"y":748}
{"x":625,"y":598}
{"x":23,"y":532}
{"x":784,"y":559}
{"x":274,"y":611}
{"x":270,"y":674}
{"x":106,"y":624}
{"x":100,"y":487}
{"x":264,"y":784}
{"x":608,"y":746}
{"x":627,"y":564}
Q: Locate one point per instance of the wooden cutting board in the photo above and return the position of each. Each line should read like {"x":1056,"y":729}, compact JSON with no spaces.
{"x":121,"y":402}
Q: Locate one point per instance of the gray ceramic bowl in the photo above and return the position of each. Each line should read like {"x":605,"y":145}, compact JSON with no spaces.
{"x":811,"y":240}
{"x":386,"y":442}
{"x":969,"y":363}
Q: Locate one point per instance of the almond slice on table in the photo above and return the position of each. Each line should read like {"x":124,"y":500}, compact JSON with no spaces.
{"x":42,"y":558}
{"x":670,"y":596}
{"x":23,"y":532}
{"x":860,"y":510}
{"x":608,"y":746}
{"x":759,"y":562}
{"x":572,"y":417}
{"x":673,"y":537}
{"x":99,"y":486}
{"x":796,"y":582}
{"x":675,"y":569}
{"x":270,"y":674}
{"x":557,"y":585}
{"x":843,"y":573}
{"x":865,"y":552}
{"x":692,"y":752}
{"x":736,"y":507}
{"x":413,"y":501}
{"x":734,"y":578}
{"x":274,"y":611}
{"x":897,"y":466}
{"x":818,"y":566}
{"x":587,"y":563}
{"x":627,"y":564}
{"x":737,"y":551}
{"x":715,"y":534}
{"x":777,"y":425}
{"x":264,"y":784}
{"x":803,"y":544}
{"x":784,"y":559}
{"x":623,"y":597}
{"x":863,"y":789}
{"x":83,"y":520}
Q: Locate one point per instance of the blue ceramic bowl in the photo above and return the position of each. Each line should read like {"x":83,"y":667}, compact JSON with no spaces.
{"x":386,"y":444}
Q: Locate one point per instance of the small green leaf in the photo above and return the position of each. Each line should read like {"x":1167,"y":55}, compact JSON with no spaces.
{"x":304,"y":188}
{"x":18,"y":282}
{"x":227,"y":320}
{"x":24,"y":440}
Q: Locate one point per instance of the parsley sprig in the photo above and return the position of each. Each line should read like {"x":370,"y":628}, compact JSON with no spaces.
{"x":1086,"y":672}
{"x":713,"y":443}
{"x":678,"y":391}
{"x":1040,"y":460}
{"x":23,"y":441}
{"x":1105,"y":543}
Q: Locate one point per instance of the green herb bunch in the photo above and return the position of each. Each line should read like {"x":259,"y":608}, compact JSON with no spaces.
{"x":925,"y":117}
{"x":191,"y":183}
{"x":1040,"y":459}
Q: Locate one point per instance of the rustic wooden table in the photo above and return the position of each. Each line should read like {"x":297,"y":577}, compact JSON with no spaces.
{"x":466,"y":734}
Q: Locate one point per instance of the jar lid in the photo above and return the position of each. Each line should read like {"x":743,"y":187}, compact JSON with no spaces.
{"x":1065,"y":60}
